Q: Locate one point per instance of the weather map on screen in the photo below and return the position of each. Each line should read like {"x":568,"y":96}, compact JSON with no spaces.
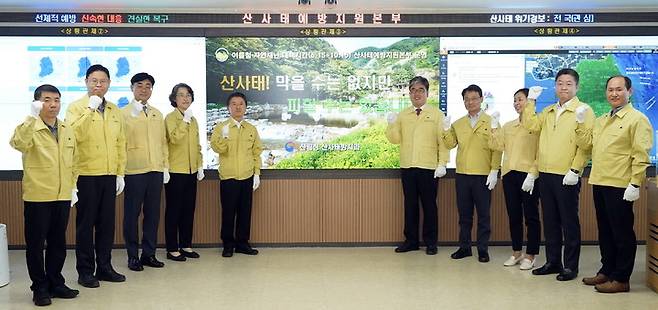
{"x":503,"y":65}
{"x":63,"y":62}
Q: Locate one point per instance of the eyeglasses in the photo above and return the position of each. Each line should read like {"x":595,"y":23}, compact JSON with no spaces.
{"x":183,"y":95}
{"x":96,"y":82}
{"x":417,"y":91}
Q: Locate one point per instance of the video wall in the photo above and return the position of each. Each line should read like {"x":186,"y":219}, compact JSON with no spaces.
{"x":321,"y":103}
{"x":502,"y":65}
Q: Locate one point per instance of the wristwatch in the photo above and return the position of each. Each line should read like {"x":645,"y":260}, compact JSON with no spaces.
{"x":575,"y":171}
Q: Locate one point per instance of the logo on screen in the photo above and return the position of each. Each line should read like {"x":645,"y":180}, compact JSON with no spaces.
{"x":221,"y":54}
{"x":290,"y":146}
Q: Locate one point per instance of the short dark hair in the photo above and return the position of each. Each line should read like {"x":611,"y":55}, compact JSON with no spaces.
{"x":419,"y":80}
{"x":568,"y":71}
{"x":627,"y":81}
{"x":95,"y":68}
{"x":525,"y":91}
{"x":141,"y":77}
{"x":473,"y":88}
{"x":236,"y":94}
{"x":174,"y":91}
{"x":45,"y":88}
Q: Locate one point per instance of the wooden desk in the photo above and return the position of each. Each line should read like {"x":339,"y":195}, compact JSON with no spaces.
{"x":652,"y":235}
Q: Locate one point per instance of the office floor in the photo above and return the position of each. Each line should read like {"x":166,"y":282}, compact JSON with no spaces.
{"x":335,"y":278}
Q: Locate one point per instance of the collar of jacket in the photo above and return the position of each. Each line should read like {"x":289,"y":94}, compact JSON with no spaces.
{"x":623,"y":111}
{"x":571,"y":105}
{"x":41,"y":125}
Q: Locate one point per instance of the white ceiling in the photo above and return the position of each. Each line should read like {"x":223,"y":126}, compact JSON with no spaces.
{"x":428,"y":6}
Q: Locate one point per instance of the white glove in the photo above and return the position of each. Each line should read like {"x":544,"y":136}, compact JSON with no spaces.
{"x":256,"y":182}
{"x":534,"y":92}
{"x":187,"y":115}
{"x":580,"y":114}
{"x":120,"y":184}
{"x":199,"y":174}
{"x":529,"y":183}
{"x":439,"y":171}
{"x":631,"y":193}
{"x":570,"y":178}
{"x":137,"y":106}
{"x":95,"y":102}
{"x":495,"y":119}
{"x":165,"y":176}
{"x":35,"y":108}
{"x":446,"y":122}
{"x":390,"y":117}
{"x":492,"y":179}
{"x":74,"y":197}
{"x":225,"y":131}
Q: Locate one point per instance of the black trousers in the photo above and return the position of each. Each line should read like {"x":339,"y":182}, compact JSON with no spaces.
{"x":522,"y":205}
{"x":560,"y":211}
{"x":180,"y":196}
{"x":142,"y":189}
{"x":617,"y":240}
{"x":95,"y":214}
{"x":236,"y":198}
{"x":472,"y":193}
{"x":420,"y":183}
{"x":46,"y":222}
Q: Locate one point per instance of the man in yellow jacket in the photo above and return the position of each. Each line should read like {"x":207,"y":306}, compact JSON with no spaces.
{"x":423,"y":160}
{"x":477,"y":172}
{"x":48,"y":147}
{"x":620,"y":141}
{"x":146,"y":170}
{"x":239,"y":147}
{"x":561,"y":160}
{"x":101,"y":144}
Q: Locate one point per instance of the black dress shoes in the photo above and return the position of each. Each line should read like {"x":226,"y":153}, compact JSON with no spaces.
{"x":64,"y":292}
{"x":547,"y":269}
{"x":190,"y":254}
{"x":88,"y":281}
{"x":179,"y":258}
{"x":461,"y":253}
{"x":483,"y":257}
{"x":406,"y":247}
{"x":135,"y":265}
{"x":227,"y":252}
{"x":431,"y":250}
{"x":151,"y":261}
{"x":567,"y":275}
{"x":110,"y":276}
{"x":41,"y":298}
{"x":247,"y":250}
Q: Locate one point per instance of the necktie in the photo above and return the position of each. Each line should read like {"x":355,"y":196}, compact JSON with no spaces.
{"x":145,"y":112}
{"x":418,"y":111}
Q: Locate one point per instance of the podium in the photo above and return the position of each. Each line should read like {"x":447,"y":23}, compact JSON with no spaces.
{"x":652,"y":235}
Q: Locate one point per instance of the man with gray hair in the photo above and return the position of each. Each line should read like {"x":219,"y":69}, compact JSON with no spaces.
{"x":423,"y":159}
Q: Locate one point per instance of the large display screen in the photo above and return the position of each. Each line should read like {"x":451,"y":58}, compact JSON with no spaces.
{"x":502,"y":65}
{"x":28,"y":62}
{"x":319,"y":103}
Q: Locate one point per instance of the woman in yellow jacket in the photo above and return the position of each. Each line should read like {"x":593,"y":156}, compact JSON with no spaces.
{"x":186,"y":168}
{"x":519,"y":171}
{"x":48,"y":146}
{"x":620,"y":141}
